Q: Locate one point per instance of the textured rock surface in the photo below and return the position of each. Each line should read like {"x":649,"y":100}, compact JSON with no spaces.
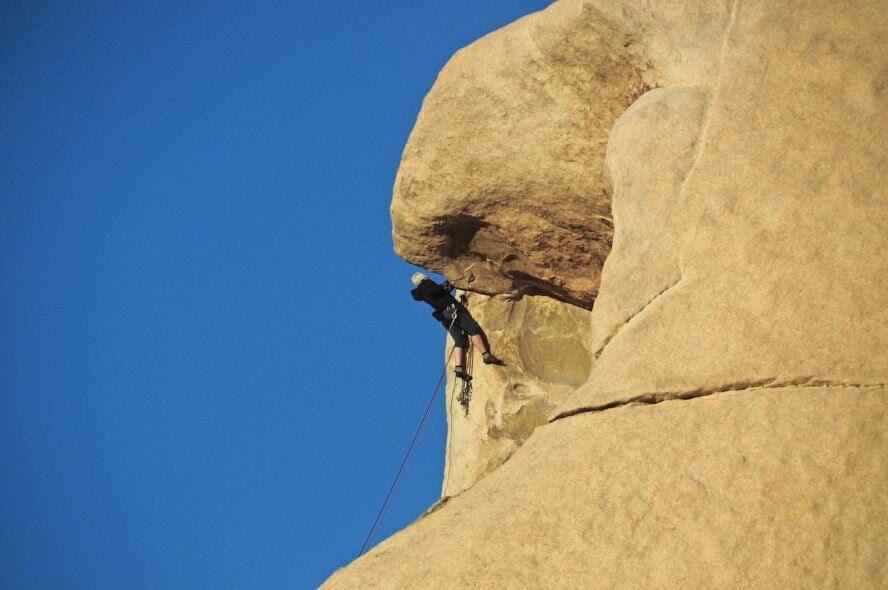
{"x":744,"y":299}
{"x":501,"y":175}
{"x":752,"y":216}
{"x":780,"y":488}
{"x":545,"y":344}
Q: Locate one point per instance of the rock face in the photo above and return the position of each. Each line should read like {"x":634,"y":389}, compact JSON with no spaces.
{"x":751,"y":253}
{"x":717,"y":492}
{"x":469,"y":197}
{"x":546,"y":344}
{"x":719,"y":418}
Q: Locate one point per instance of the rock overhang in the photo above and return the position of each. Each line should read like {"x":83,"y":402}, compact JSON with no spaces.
{"x":502,"y":174}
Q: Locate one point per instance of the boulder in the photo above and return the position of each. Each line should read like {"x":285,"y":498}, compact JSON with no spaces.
{"x":501,"y":176}
{"x":710,"y":178}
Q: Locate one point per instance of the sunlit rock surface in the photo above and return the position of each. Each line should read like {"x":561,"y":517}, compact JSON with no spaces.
{"x":501,"y":176}
{"x":546,"y":344}
{"x":717,"y":492}
{"x":712,"y":177}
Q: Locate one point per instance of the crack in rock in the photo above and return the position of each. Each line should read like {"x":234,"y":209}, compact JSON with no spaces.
{"x":766,"y":383}
{"x":633,"y":315}
{"x":704,"y":128}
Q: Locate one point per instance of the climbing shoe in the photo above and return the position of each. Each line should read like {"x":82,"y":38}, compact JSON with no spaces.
{"x":489,"y":359}
{"x":461,"y":373}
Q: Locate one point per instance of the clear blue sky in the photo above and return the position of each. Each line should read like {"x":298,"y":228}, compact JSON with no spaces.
{"x":210,"y":365}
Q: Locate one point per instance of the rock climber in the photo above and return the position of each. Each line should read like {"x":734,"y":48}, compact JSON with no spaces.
{"x":455,"y":318}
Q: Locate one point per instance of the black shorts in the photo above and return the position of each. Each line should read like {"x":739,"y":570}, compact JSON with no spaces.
{"x":464,"y":326}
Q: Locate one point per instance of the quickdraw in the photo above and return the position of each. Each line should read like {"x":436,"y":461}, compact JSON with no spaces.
{"x":465,"y":393}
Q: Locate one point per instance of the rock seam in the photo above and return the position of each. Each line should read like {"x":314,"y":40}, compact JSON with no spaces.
{"x":768,"y":383}
{"x":632,"y":316}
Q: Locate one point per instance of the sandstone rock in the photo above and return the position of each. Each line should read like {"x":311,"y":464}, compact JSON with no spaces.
{"x":544,"y":343}
{"x":501,"y":176}
{"x":744,"y":298}
{"x":765,"y":262}
{"x":651,"y":150}
{"x":768,"y":488}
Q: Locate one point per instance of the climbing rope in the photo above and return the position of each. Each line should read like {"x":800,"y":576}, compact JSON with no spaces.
{"x":368,"y":542}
